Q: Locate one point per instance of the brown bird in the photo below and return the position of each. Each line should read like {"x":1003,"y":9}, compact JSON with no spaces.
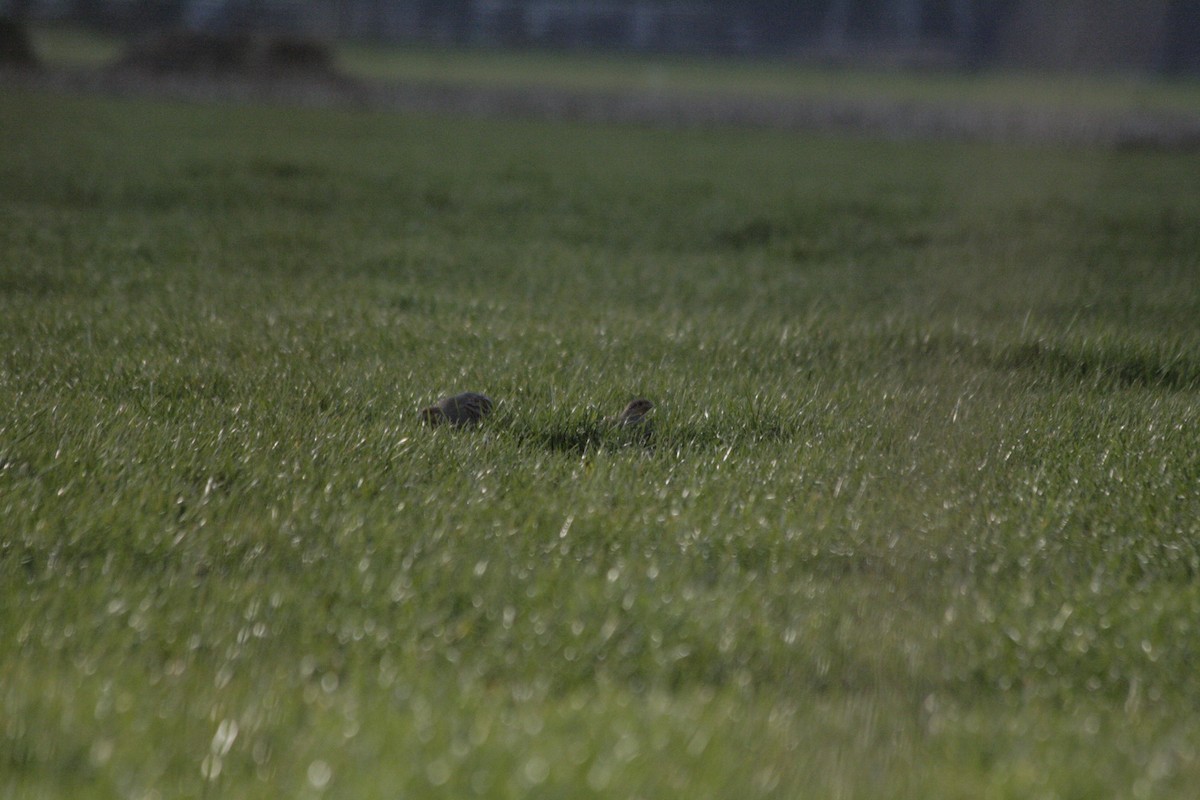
{"x":634,"y":413}
{"x":458,"y":410}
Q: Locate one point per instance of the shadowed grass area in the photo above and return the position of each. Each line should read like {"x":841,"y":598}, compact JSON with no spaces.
{"x":1118,"y":364}
{"x":917,"y":516}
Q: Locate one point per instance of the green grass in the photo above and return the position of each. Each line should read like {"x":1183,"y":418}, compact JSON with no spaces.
{"x":920,"y":517}
{"x":770,"y":78}
{"x":763,"y":78}
{"x":71,"y":46}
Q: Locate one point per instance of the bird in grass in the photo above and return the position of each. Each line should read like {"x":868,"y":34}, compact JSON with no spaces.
{"x":458,"y":410}
{"x":633,"y":422}
{"x":634,"y":414}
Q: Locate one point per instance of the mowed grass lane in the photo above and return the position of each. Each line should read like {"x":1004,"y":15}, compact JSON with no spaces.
{"x":919,"y":518}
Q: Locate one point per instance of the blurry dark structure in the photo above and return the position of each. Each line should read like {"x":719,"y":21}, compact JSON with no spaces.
{"x":16,"y":50}
{"x":1183,"y":37}
{"x":1128,"y":35}
{"x":224,"y":54}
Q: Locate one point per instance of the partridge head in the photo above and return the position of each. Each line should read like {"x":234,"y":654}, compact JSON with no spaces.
{"x":635,"y":412}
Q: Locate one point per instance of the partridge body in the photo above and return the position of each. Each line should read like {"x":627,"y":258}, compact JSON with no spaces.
{"x":467,"y":408}
{"x":634,"y":414}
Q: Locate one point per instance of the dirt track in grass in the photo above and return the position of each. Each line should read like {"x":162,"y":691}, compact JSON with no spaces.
{"x":878,"y":117}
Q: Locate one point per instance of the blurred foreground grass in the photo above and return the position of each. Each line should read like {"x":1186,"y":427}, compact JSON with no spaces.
{"x":920,"y":517}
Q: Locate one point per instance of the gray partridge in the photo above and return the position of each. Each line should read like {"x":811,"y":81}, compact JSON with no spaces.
{"x":634,"y":413}
{"x":458,"y":410}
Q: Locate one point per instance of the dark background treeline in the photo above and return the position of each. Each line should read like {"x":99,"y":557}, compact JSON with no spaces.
{"x":1106,"y":35}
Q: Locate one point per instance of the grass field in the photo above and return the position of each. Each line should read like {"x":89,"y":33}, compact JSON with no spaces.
{"x":770,"y":78}
{"x":1043,"y":93}
{"x":920,"y":516}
